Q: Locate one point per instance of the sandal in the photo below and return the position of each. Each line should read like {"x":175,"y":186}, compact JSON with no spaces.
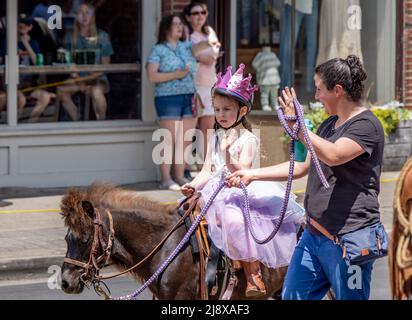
{"x":255,"y":286}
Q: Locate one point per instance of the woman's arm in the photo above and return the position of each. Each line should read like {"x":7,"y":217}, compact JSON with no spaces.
{"x":197,"y":48}
{"x":206,"y":59}
{"x":278,"y":172}
{"x":26,"y":43}
{"x":334,"y":154}
{"x":158,"y":77}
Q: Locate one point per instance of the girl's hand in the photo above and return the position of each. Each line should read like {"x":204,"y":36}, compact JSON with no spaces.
{"x":235,"y":178}
{"x":286,"y":101}
{"x":187,"y":190}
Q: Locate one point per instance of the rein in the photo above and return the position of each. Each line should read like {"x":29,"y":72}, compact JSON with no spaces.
{"x":299,"y":125}
{"x":175,"y":252}
{"x":92,"y":267}
{"x":293,"y":133}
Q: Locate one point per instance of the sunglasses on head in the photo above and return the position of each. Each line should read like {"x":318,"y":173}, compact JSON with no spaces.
{"x":196,"y":13}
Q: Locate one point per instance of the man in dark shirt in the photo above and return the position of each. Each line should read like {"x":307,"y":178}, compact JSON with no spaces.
{"x":349,"y":146}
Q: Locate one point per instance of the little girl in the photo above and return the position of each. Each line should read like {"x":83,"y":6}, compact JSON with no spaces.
{"x":233,"y":146}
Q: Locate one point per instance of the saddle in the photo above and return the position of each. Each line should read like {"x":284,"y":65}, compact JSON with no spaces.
{"x":214,"y":265}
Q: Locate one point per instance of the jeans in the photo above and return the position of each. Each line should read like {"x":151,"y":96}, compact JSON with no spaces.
{"x":317,"y":265}
{"x":174,"y":107}
{"x":269,"y":96}
{"x":311,"y":28}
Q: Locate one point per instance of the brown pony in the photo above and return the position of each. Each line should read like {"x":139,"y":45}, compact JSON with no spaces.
{"x":139,"y":225}
{"x":400,"y":253}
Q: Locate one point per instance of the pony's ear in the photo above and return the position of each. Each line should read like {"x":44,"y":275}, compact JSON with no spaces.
{"x":88,"y":208}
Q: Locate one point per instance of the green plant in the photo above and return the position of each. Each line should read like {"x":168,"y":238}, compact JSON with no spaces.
{"x":316,"y":116}
{"x":390,"y":117}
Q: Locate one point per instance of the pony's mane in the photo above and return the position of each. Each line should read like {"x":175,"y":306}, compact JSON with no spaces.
{"x":109,"y":196}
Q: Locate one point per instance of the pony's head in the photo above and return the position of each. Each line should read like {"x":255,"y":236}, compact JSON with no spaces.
{"x":78,"y":214}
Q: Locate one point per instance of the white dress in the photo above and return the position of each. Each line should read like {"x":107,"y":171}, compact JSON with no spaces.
{"x":227,"y":227}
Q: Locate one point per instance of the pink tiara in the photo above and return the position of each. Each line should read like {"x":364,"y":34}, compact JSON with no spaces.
{"x":236,"y":84}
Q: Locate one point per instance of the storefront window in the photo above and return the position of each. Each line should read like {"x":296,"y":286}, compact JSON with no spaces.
{"x":3,"y":96}
{"x":259,"y":33}
{"x":87,"y":70}
{"x":323,"y":29}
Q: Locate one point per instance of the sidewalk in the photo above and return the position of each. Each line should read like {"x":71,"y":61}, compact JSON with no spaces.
{"x":32,"y":231}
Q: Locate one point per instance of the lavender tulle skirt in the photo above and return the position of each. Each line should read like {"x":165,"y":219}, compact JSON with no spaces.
{"x":228,"y":229}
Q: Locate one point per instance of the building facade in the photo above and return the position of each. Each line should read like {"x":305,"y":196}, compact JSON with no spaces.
{"x":62,"y":148}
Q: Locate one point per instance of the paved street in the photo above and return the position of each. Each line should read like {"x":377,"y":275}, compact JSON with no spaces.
{"x":32,"y":238}
{"x":38,"y":288}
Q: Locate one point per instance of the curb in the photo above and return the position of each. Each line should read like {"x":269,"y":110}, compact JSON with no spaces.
{"x":29,"y":264}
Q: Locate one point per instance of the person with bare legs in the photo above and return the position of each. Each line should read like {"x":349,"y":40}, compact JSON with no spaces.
{"x":96,"y":42}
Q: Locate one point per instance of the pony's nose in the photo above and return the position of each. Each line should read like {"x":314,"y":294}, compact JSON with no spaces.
{"x":65,"y":285}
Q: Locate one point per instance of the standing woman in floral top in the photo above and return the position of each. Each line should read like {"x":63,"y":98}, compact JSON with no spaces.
{"x":171,"y":66}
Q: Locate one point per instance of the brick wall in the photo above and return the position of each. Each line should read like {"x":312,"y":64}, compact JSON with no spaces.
{"x":407,"y":54}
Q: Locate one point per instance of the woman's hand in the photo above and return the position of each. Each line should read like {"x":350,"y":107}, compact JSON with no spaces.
{"x":235,"y":178}
{"x":286,"y":101}
{"x":181,"y":73}
{"x":187,"y":189}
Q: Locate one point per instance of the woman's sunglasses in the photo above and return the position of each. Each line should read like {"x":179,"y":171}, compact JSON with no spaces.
{"x":196,"y":13}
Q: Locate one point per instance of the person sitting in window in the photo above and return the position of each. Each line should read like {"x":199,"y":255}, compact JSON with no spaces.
{"x":88,"y":45}
{"x":28,"y":48}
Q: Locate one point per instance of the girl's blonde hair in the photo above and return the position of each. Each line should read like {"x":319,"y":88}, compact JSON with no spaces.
{"x":92,"y":32}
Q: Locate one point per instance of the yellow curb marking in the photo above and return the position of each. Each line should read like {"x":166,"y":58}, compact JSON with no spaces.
{"x":165,"y":203}
{"x":30,"y":211}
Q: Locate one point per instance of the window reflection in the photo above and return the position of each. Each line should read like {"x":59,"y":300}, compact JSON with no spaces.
{"x":88,"y":70}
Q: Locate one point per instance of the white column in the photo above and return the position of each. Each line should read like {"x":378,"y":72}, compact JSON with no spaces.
{"x":151,"y":16}
{"x":12,"y":63}
{"x":386,"y":49}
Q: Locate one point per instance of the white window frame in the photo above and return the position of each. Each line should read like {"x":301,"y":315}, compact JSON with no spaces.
{"x":151,"y":13}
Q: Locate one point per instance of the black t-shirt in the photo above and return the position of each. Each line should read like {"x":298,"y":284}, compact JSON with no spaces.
{"x":351,"y":202}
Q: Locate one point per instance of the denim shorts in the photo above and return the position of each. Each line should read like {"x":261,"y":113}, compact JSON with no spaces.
{"x":174,"y":107}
